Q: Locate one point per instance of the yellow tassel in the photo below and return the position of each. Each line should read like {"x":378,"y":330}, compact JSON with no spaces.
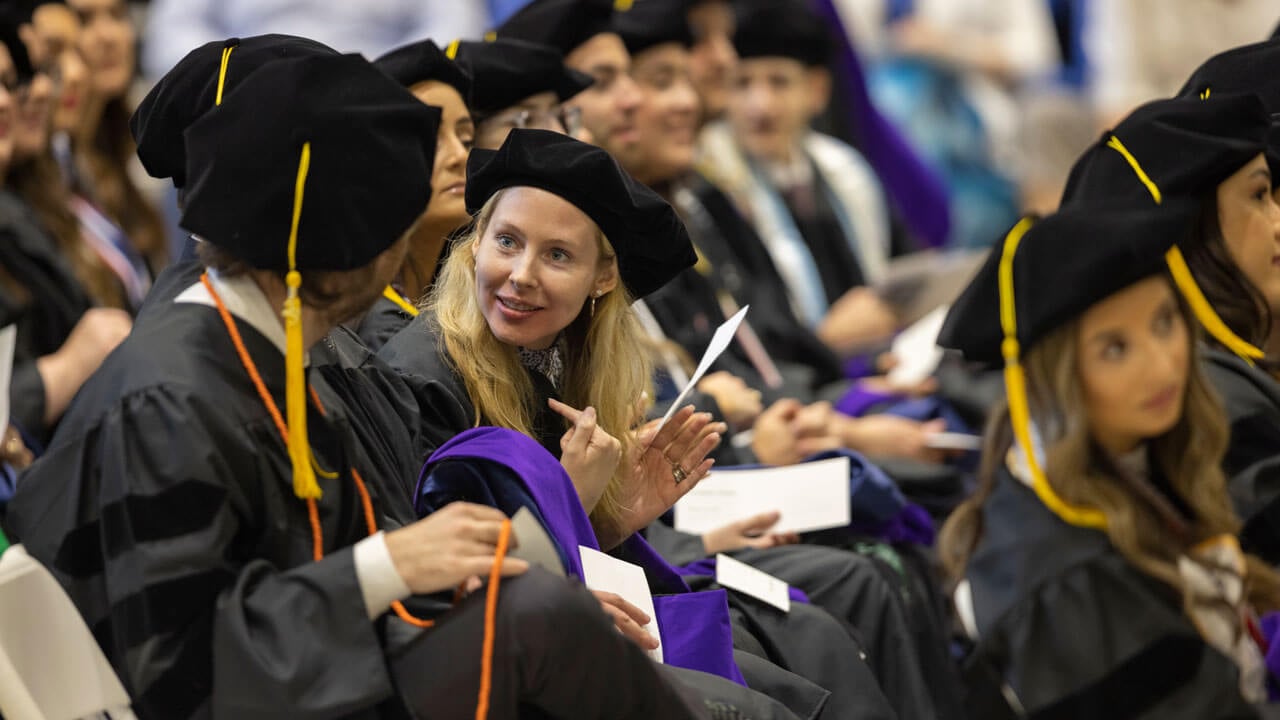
{"x":389,"y":293}
{"x":222,"y":73}
{"x":622,"y":5}
{"x":1204,"y":311}
{"x":1016,"y":390}
{"x":304,"y":477}
{"x":1185,"y":281}
{"x":451,"y":51}
{"x":490,"y":36}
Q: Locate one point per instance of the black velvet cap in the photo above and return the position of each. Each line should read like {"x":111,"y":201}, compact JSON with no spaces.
{"x":423,"y":61}
{"x":562,"y":24}
{"x":1186,"y":146}
{"x":1251,"y":68}
{"x":372,"y":152}
{"x":506,"y":71}
{"x":190,"y":89}
{"x":781,"y":28}
{"x":654,"y":22}
{"x":1064,"y":264}
{"x":651,"y":242}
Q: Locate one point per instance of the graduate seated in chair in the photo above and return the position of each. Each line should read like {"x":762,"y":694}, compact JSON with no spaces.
{"x":1099,"y":570}
{"x":233,"y":549}
{"x":1222,"y":164}
{"x":814,"y":201}
{"x":530,"y":329}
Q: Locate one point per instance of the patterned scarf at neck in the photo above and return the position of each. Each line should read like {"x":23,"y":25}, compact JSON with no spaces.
{"x":549,"y":362}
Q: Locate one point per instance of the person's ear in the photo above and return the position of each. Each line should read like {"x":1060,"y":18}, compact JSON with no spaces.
{"x":818,"y":80}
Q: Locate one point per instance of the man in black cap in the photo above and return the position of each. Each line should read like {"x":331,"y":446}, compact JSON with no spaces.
{"x":519,"y":84}
{"x":208,"y":509}
{"x":581,"y":30}
{"x":190,"y":89}
{"x":815,"y":201}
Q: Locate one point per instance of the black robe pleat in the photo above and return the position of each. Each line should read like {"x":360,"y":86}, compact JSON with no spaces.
{"x":165,"y":508}
{"x":1074,"y":631}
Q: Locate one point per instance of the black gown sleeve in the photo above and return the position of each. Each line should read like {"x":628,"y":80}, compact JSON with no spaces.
{"x":151,"y":518}
{"x":444,"y":408}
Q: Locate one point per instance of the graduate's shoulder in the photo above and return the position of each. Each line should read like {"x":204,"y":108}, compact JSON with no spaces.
{"x":417,"y":352}
{"x":1070,"y":623}
{"x":1245,"y":390}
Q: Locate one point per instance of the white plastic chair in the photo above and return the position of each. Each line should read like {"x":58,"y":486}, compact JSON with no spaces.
{"x":51,"y":668}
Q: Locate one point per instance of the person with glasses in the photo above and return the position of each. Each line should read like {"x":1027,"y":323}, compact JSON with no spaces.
{"x":518,"y":85}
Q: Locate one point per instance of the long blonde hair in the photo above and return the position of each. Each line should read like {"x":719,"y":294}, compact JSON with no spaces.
{"x":1140,"y":520}
{"x":604,"y":367}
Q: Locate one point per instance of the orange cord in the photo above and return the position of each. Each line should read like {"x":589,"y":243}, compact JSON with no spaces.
{"x":490,"y":621}
{"x":313,"y":512}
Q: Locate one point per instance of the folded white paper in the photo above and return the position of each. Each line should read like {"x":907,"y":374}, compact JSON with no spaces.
{"x":953,"y":441}
{"x":916,"y":349}
{"x":534,"y":546}
{"x":723,"y":336}
{"x":810,"y":496}
{"x":8,"y":341}
{"x":756,"y":583}
{"x":609,"y":574}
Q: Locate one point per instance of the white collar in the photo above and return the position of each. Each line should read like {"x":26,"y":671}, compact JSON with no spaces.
{"x":244,"y":300}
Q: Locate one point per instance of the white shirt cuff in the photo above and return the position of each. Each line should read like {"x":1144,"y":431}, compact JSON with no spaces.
{"x":380,"y":582}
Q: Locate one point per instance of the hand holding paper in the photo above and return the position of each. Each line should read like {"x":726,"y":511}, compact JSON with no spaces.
{"x":809,"y":496}
{"x":719,"y":342}
{"x":608,"y":575}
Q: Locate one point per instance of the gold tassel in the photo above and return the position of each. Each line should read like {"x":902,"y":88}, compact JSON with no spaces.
{"x":1183,"y":278}
{"x":222,"y":73}
{"x":1016,"y":390}
{"x":304,"y":477}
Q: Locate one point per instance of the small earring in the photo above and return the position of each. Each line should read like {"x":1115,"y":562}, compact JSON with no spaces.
{"x":593,"y":303}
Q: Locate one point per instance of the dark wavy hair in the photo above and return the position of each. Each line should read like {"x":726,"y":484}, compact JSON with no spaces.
{"x":1239,"y":303}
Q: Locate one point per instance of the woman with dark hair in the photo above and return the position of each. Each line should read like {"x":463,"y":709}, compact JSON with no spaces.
{"x":1229,"y":256}
{"x":1097,"y":565}
{"x":62,"y":337}
{"x":103,"y":142}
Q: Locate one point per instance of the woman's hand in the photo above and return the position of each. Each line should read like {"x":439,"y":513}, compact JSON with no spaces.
{"x":662,"y":465}
{"x":749,"y":533}
{"x":588,"y":453}
{"x":449,"y":546}
{"x":789,"y":432}
{"x":740,"y":404}
{"x":629,"y":619}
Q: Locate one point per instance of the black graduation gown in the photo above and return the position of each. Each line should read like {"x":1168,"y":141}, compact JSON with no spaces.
{"x":741,"y":265}
{"x":383,"y":321}
{"x":809,"y":642}
{"x":850,"y":587}
{"x":55,"y":301}
{"x":1252,"y":463}
{"x":1075,"y":631}
{"x":444,"y":407}
{"x":165,"y":509}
